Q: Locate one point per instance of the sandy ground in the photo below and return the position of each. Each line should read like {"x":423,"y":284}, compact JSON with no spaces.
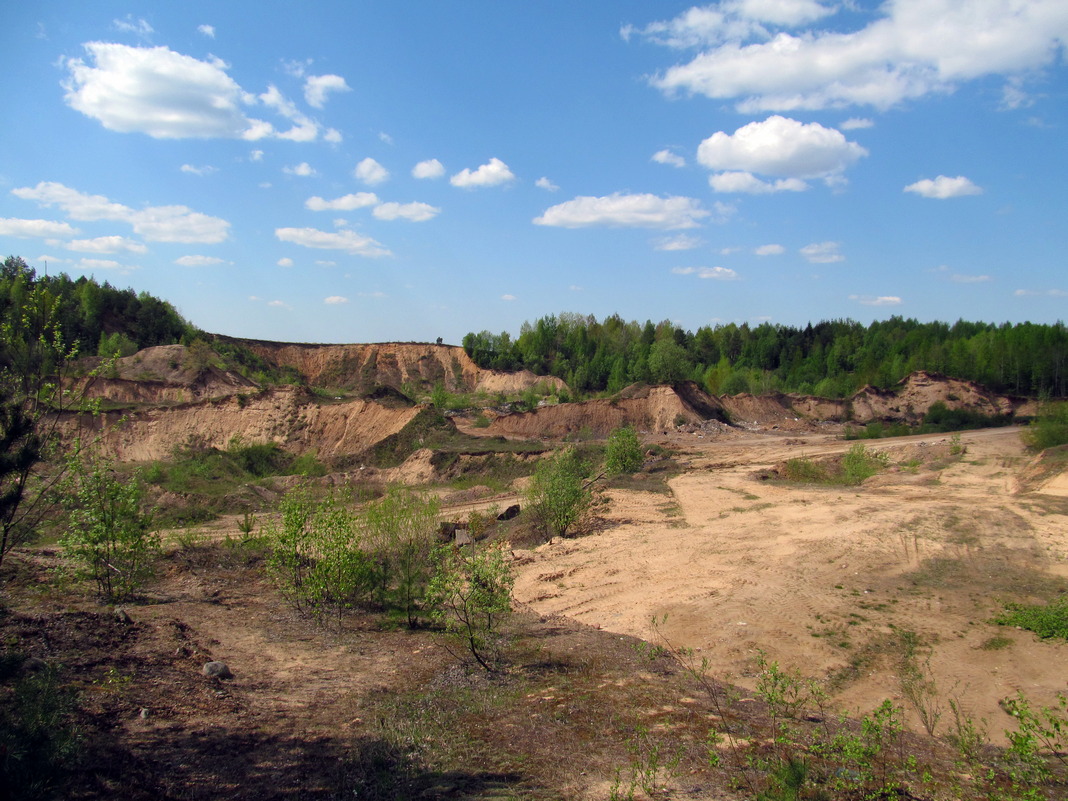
{"x":823,"y":580}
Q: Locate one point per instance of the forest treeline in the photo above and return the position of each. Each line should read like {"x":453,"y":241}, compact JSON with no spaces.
{"x":95,"y":319}
{"x":831,"y":359}
{"x":98,"y":319}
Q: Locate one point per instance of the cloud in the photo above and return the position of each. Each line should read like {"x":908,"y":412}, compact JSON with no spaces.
{"x":1052,"y":293}
{"x":508,"y":297}
{"x":911,"y":48}
{"x":198,"y":261}
{"x":869,"y":300}
{"x":205,"y":170}
{"x":431,"y":168}
{"x":168,"y":95}
{"x":156,"y":91}
{"x":715,"y":273}
{"x":154,"y":223}
{"x":546,"y":184}
{"x":358,"y":200}
{"x":370,"y":172}
{"x":278,"y":304}
{"x":822,"y":253}
{"x":413,"y":212}
{"x":88,"y":265}
{"x":285,"y":261}
{"x":669,"y":158}
{"x":856,"y":124}
{"x":769,"y":250}
{"x":138,"y":27}
{"x":679,"y":242}
{"x":304,"y":170}
{"x":957,"y":278}
{"x":493,"y":173}
{"x":779,"y":146}
{"x":316,"y":88}
{"x":206,"y":30}
{"x":746,"y":182}
{"x":625,"y":211}
{"x":942,"y":187}
{"x":335,"y":300}
{"x":35,"y":229}
{"x":107,"y":244}
{"x":348,"y":241}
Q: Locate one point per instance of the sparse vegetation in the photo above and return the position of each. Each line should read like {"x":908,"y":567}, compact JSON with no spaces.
{"x":1049,"y":428}
{"x":1046,"y":620}
{"x":560,"y":497}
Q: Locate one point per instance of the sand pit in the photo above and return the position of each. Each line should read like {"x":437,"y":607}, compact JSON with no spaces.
{"x":824,"y":580}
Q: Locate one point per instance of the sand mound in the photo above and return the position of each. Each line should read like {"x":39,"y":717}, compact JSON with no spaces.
{"x":648,"y":409}
{"x":284,"y":415}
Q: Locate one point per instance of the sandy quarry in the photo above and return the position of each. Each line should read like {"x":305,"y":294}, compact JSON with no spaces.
{"x":819,"y":578}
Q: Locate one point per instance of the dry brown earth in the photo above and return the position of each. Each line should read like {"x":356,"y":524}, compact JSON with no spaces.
{"x":824,"y":579}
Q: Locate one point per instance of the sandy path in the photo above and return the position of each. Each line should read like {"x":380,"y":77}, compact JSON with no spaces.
{"x":822,"y":579}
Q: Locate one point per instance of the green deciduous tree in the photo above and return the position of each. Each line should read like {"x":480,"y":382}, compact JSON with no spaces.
{"x":560,"y":496}
{"x":623,"y":453}
{"x":470,"y":595}
{"x":109,"y":534}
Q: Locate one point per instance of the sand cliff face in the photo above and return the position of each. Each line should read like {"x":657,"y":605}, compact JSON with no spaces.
{"x":395,"y":364}
{"x":285,"y":415}
{"x":186,"y":403}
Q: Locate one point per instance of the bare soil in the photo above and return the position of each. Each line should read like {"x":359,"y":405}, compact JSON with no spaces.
{"x":825,"y":579}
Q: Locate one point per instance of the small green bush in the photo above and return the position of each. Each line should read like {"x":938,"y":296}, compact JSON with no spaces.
{"x":1050,"y":427}
{"x":623,"y":453}
{"x":1047,"y":620}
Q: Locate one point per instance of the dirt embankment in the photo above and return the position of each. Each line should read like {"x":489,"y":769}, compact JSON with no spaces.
{"x":284,"y":415}
{"x":163,"y":374}
{"x":663,"y":409}
{"x":394,"y":364}
{"x":648,"y":409}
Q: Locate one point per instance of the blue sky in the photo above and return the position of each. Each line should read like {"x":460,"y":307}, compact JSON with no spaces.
{"x":358,"y":171}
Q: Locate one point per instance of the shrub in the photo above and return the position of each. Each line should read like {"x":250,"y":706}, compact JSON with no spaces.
{"x":109,"y":535}
{"x":559,"y":495}
{"x":1049,"y":428}
{"x":470,"y":595}
{"x":623,"y":454}
{"x":860,"y":464}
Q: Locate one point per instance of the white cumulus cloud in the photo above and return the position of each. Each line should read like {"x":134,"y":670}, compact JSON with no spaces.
{"x":669,"y":157}
{"x":714,"y":273}
{"x":823,"y":253}
{"x":304,"y":170}
{"x":198,"y":261}
{"x":625,"y":211}
{"x":348,"y":241}
{"x":942,"y":187}
{"x":678,"y":242}
{"x":194,"y":170}
{"x":206,"y":30}
{"x":870,"y":300}
{"x":107,"y":244}
{"x":351,"y":202}
{"x":780,"y":146}
{"x":154,"y":223}
{"x":493,"y":173}
{"x":335,"y":300}
{"x":746,"y":182}
{"x":413,"y":212}
{"x":546,"y":184}
{"x":35,"y":229}
{"x":371,"y":172}
{"x":168,"y":95}
{"x":770,"y":250}
{"x":908,"y":49}
{"x":431,"y":168}
{"x":317,"y":87}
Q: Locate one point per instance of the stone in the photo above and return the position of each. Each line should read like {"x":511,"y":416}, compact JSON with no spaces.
{"x":217,"y":670}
